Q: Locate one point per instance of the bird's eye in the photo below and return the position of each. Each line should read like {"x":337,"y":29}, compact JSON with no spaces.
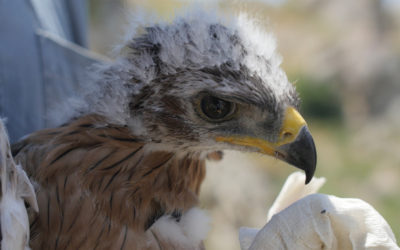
{"x":216,"y":109}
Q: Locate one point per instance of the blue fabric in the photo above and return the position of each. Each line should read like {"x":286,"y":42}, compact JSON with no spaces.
{"x":40,"y":59}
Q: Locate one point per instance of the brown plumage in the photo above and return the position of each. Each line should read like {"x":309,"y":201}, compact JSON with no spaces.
{"x":95,"y":181}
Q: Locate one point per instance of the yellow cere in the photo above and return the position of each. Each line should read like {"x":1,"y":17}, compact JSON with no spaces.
{"x":292,"y":124}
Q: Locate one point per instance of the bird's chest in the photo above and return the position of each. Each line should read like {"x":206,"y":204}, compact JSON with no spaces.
{"x":115,"y":205}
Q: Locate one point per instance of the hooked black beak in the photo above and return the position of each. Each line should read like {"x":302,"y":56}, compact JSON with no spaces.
{"x":295,"y":144}
{"x":300,"y":153}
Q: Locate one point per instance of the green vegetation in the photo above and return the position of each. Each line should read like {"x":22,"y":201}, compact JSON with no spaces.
{"x":319,"y":100}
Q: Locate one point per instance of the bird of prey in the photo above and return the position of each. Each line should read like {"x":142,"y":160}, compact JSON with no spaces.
{"x":124,"y":171}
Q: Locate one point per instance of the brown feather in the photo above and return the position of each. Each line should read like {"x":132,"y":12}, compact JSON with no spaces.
{"x":99,"y":189}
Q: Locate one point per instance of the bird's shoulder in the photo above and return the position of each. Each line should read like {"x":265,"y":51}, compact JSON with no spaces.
{"x":87,"y":133}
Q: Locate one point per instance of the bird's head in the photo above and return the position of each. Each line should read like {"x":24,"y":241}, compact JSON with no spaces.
{"x":199,"y":85}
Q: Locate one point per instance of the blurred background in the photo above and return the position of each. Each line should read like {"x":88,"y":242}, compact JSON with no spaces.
{"x":344,"y":57}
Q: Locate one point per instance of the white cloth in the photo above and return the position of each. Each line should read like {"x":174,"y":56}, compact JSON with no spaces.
{"x":15,"y":189}
{"x":319,"y":221}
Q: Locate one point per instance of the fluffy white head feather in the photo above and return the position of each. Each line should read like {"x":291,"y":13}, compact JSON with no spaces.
{"x":193,"y":41}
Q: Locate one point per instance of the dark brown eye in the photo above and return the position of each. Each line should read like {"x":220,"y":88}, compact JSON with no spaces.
{"x":215,"y":108}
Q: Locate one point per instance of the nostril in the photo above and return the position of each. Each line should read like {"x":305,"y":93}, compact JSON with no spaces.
{"x":287,"y":135}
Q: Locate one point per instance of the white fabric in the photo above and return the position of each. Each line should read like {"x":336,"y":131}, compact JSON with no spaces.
{"x":15,"y":188}
{"x":294,"y":189}
{"x":319,"y":221}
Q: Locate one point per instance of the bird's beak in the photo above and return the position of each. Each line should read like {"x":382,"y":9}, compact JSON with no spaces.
{"x":295,"y":144}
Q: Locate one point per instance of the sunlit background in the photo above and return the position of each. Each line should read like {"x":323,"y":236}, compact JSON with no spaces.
{"x":344,"y":57}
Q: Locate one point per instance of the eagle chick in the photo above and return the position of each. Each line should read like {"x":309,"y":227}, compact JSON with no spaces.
{"x":131,"y":153}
